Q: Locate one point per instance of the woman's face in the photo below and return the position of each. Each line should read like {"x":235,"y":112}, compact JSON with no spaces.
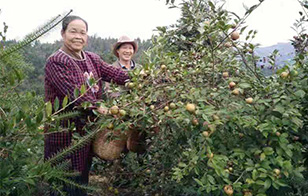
{"x":75,"y":36}
{"x":126,"y":52}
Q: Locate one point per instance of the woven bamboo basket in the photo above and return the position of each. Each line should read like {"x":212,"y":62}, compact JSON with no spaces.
{"x":135,"y":141}
{"x":108,"y":145}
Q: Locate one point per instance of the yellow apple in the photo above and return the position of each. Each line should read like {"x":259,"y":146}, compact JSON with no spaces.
{"x":172,"y":105}
{"x":205,"y":133}
{"x":284,"y":74}
{"x":225,"y":74}
{"x":114,"y":110}
{"x":190,"y":107}
{"x":249,"y":100}
{"x":122,"y":112}
{"x":236,"y":91}
{"x":228,"y":190}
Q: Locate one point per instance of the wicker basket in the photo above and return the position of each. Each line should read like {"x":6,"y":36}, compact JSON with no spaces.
{"x":135,"y":141}
{"x":108,"y":145}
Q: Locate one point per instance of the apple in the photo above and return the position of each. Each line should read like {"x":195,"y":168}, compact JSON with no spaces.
{"x":110,"y":126}
{"x":195,"y":122}
{"x":278,"y":133}
{"x":225,"y":74}
{"x":166,"y":108}
{"x":232,"y":84}
{"x":152,"y":107}
{"x":236,"y":91}
{"x":284,"y":74}
{"x":249,"y":100}
{"x":114,"y":110}
{"x":205,"y":133}
{"x":277,"y":171}
{"x":190,"y":107}
{"x":206,"y":22}
{"x":163,"y":67}
{"x":172,"y":105}
{"x":247,"y":193}
{"x":235,"y":35}
{"x":228,"y":190}
{"x":210,"y":155}
{"x":131,"y":85}
{"x":215,"y":117}
{"x":233,"y":26}
{"x":227,"y":44}
{"x":241,"y":135}
{"x":122,"y":112}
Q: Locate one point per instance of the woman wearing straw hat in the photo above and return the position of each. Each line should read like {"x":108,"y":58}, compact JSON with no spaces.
{"x":125,"y":49}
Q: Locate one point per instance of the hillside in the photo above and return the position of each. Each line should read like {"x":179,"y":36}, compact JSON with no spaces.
{"x":286,"y":52}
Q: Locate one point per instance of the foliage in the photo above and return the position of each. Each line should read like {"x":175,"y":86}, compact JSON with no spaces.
{"x":204,"y":134}
{"x":252,"y":146}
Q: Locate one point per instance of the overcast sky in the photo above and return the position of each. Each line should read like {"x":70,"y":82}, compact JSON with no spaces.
{"x":138,"y":18}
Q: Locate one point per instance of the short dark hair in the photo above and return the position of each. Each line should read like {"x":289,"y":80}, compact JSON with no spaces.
{"x":67,"y":20}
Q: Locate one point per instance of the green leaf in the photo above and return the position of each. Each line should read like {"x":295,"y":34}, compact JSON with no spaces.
{"x":181,"y":164}
{"x":65,"y":101}
{"x":91,"y":81}
{"x":48,"y":108}
{"x":262,"y":156}
{"x":211,"y":4}
{"x":254,"y":174}
{"x":267,"y":183}
{"x":56,"y":104}
{"x":268,"y":151}
{"x":199,"y":182}
{"x":76,"y":93}
{"x":300,"y":94}
{"x":83,"y":89}
{"x":211,"y":179}
{"x":260,"y":182}
{"x":244,"y":85}
{"x":39,"y":118}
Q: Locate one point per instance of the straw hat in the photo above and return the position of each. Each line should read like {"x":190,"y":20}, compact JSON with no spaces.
{"x":124,"y":39}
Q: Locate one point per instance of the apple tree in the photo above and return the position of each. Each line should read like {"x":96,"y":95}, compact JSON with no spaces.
{"x":213,"y":123}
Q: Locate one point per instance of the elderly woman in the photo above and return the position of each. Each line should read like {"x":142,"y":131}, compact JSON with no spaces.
{"x":68,"y":68}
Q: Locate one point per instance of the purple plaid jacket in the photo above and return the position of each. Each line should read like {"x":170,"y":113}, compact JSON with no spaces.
{"x":63,"y":74}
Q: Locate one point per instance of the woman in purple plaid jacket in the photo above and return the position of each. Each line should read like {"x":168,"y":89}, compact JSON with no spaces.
{"x":68,"y":68}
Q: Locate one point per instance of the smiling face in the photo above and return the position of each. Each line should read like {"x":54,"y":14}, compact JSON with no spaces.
{"x":75,"y":36}
{"x":125,"y":52}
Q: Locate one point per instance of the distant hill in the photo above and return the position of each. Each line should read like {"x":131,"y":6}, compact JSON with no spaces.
{"x":286,"y":52}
